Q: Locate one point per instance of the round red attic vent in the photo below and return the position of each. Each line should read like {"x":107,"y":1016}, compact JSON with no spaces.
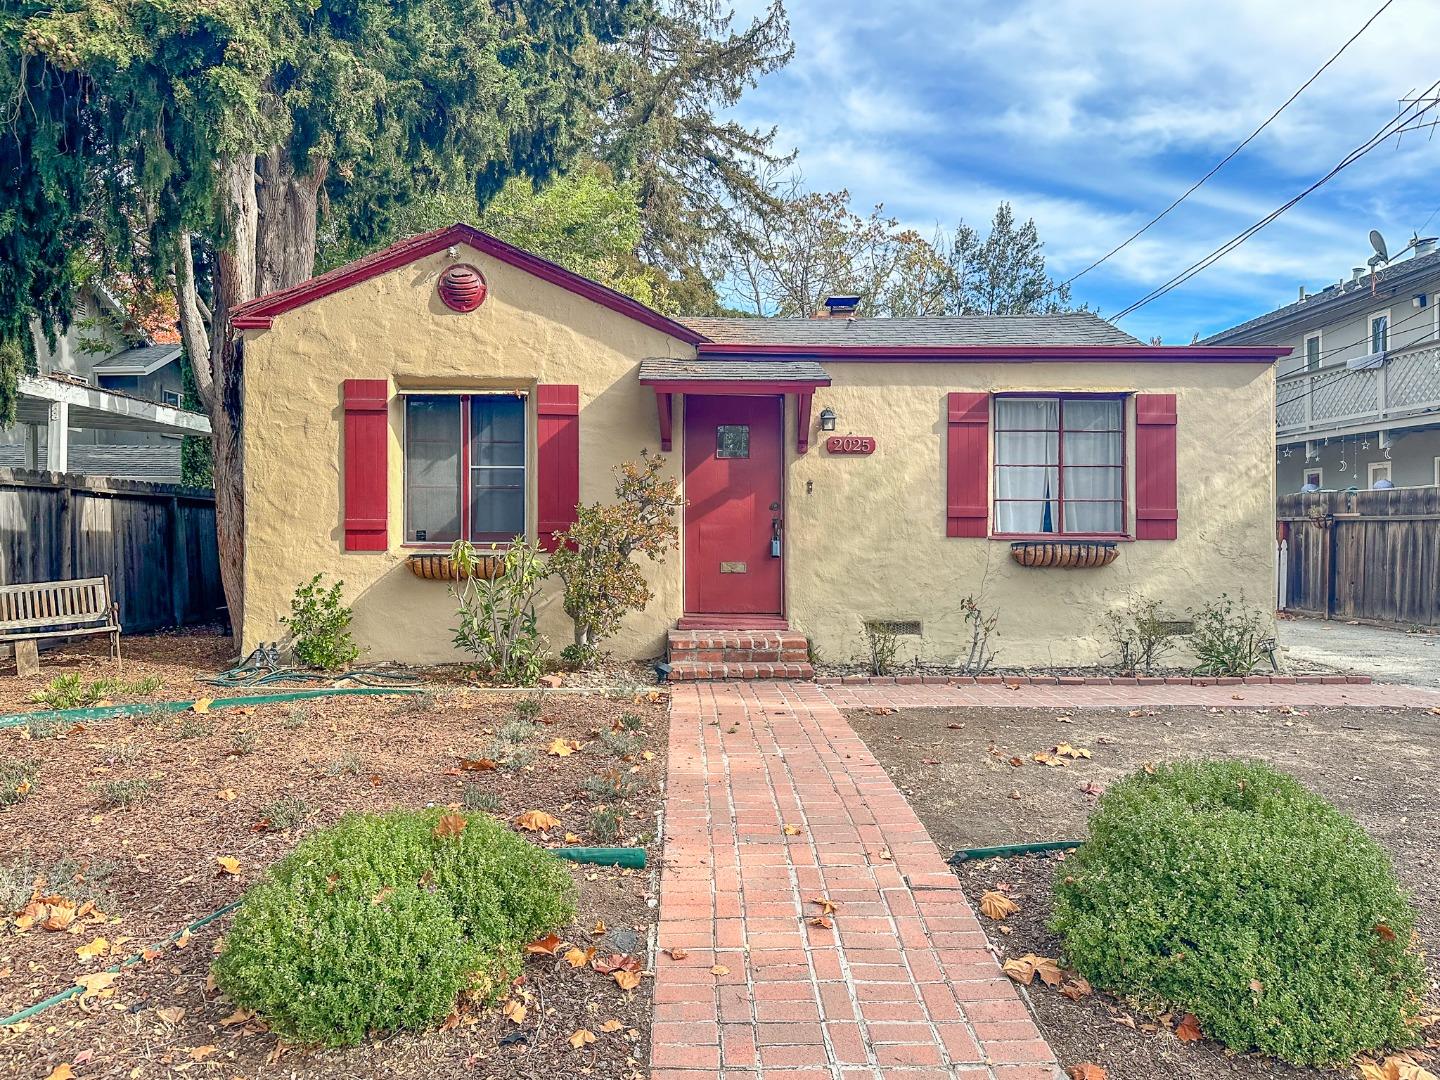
{"x":462,"y":288}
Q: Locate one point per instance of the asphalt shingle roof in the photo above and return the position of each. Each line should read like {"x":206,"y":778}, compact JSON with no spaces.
{"x":1331,"y":302}
{"x":138,"y":359}
{"x":664,"y":367}
{"x":1070,"y":328}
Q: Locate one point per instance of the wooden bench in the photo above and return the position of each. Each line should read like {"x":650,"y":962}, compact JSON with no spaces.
{"x":47,"y":609}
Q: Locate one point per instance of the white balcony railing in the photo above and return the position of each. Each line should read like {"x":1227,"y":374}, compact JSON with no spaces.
{"x":1401,"y":392}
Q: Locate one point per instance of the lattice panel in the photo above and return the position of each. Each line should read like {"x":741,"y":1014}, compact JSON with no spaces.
{"x":1290,"y":410}
{"x":1352,"y":395}
{"x":1414,"y":379}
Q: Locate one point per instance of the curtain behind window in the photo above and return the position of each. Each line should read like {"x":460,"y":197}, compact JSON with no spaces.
{"x":432,"y":469}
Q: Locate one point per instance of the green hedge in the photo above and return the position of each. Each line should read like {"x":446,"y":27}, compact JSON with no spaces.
{"x":377,"y":924}
{"x":1228,"y":890}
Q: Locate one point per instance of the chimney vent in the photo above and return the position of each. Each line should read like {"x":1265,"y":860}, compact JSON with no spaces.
{"x":1358,"y":272}
{"x":1425,"y":245}
{"x":841,"y":306}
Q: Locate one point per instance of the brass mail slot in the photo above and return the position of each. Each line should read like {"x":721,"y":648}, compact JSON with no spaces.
{"x":733,"y":568}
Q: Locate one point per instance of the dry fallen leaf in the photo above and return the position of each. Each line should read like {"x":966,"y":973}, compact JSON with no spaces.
{"x":1087,"y":1071}
{"x":827,"y":905}
{"x":792,"y":830}
{"x":611,"y":1025}
{"x":450,"y":825}
{"x":1066,"y":750}
{"x":200,"y":1053}
{"x":202,"y":705}
{"x":626,"y":980}
{"x":226,"y":795}
{"x":536,"y":821}
{"x":238,"y":1017}
{"x":98,"y":947}
{"x":483,"y":764}
{"x":616,"y":962}
{"x":171,"y":1014}
{"x":997,"y":905}
{"x":93,"y":984}
{"x":515,"y":1011}
{"x":1386,"y":934}
{"x":578,"y":958}
{"x":824,"y":922}
{"x":63,"y":1071}
{"x":582,"y":1038}
{"x":1188,"y":1030}
{"x":1024,"y":969}
{"x":562,"y":747}
{"x":549,"y":945}
{"x":719,"y":969}
{"x":677,"y":953}
{"x":228,"y":863}
{"x":1076,"y":987}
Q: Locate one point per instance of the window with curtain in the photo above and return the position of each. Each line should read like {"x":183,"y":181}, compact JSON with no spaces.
{"x":464,"y":467}
{"x":1379,"y":333}
{"x":1059,"y":465}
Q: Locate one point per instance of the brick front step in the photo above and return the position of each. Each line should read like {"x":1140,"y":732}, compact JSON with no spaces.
{"x":1093,"y":680}
{"x":703,"y":655}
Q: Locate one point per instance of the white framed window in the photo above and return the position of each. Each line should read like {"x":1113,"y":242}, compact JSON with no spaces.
{"x":1379,"y":470}
{"x":1437,"y":470}
{"x":1059,"y":466}
{"x":1314,"y":475}
{"x":1380,"y":332}
{"x":1312,"y":351}
{"x":465,"y":465}
{"x":171,"y":398}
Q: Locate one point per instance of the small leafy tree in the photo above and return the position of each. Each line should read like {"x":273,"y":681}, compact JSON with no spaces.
{"x":981,"y":653}
{"x":497,"y":615}
{"x":596,"y":558}
{"x":1229,"y":638}
{"x":319,"y":626}
{"x":1141,"y":635}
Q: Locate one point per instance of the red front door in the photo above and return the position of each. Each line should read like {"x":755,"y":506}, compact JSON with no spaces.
{"x":733,"y":461}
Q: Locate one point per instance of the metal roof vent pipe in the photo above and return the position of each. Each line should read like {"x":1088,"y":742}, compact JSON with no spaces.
{"x":1425,"y":245}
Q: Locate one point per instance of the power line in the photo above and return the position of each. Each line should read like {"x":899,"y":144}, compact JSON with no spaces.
{"x":1391,"y":127}
{"x":1226,"y":159}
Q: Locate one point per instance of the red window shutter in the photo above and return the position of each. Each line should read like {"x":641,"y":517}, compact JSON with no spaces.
{"x":557,"y":409}
{"x":367,"y":439}
{"x":967,"y":465}
{"x":1156,"y":513}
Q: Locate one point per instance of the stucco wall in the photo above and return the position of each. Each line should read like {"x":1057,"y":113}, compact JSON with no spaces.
{"x":867,"y":534}
{"x":394,"y":327}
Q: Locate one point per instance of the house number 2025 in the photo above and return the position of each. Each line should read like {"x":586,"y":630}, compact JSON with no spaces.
{"x":850,"y":444}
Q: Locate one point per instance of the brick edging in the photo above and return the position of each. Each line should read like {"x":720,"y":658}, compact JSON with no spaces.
{"x":1090,"y":680}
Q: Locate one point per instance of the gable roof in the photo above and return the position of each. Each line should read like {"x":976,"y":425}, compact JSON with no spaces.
{"x":1334,"y":302}
{"x":1069,"y":328}
{"x":145,"y":360}
{"x":257,"y":314}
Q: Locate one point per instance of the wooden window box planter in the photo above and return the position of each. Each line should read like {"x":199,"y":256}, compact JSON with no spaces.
{"x":442,"y":568}
{"x":1070,"y":554}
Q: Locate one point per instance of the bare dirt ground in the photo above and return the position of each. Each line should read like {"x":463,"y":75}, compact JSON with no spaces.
{"x":246,"y":783}
{"x":954,"y":765}
{"x":1385,"y":654}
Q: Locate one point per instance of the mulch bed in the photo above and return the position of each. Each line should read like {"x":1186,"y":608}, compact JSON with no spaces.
{"x":1379,"y":765}
{"x":214,"y":778}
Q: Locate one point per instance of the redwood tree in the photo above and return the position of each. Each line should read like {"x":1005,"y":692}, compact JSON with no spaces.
{"x":200,"y":144}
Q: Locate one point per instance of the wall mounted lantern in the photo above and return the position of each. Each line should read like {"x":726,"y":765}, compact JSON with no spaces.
{"x":827,"y":419}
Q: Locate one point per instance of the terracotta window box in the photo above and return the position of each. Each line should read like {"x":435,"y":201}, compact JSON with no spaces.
{"x":1064,"y":553}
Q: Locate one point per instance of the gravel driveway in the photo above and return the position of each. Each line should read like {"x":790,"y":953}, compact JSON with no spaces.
{"x":1383,"y":654}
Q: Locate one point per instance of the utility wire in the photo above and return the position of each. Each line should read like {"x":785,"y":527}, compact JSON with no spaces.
{"x":1227,"y":158}
{"x":1393,"y":126}
{"x":1338,"y":376}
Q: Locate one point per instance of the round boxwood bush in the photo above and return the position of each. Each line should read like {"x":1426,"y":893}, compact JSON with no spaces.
{"x":1228,"y":890}
{"x":378,"y":923}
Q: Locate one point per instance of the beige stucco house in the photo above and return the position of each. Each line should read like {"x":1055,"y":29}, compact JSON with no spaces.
{"x":837,"y":470}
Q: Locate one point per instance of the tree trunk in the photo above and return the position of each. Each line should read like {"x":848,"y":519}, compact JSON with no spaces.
{"x":289,"y":213}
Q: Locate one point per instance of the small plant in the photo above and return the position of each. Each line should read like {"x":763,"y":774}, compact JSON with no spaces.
{"x":516,"y":731}
{"x":517,"y":758}
{"x":191,"y":726}
{"x":319,"y":626}
{"x":46,"y":727}
{"x":883,"y":645}
{"x":63,"y":692}
{"x":625,"y":747}
{"x":605,"y":824}
{"x":497,"y":616}
{"x":127,"y":753}
{"x":79,"y":882}
{"x":124,"y":793}
{"x":295,"y":717}
{"x":574,"y":657}
{"x":347,"y":764}
{"x":378,"y":923}
{"x":17,"y":780}
{"x":476,"y":799}
{"x":421,"y":704}
{"x":1229,"y":638}
{"x":1140,"y":636}
{"x":630,"y":721}
{"x":1227,"y":890}
{"x":982,"y":628}
{"x":612,"y":786}
{"x":595,"y":558}
{"x":243,"y":742}
{"x":286,"y":812}
{"x":530,"y":708}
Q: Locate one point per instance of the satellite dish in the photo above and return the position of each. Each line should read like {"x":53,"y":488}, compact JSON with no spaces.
{"x":1378,"y":243}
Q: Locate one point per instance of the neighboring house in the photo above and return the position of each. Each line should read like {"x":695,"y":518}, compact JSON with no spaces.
{"x":120,"y":390}
{"x":835,"y":470}
{"x":1358,"y":398}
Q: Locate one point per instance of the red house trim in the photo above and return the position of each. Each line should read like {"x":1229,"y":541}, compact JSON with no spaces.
{"x":1007,"y":354}
{"x":259,"y":313}
{"x":366,"y":405}
{"x":967,"y":464}
{"x":557,"y":438}
{"x":734,"y":386}
{"x":1156,"y":484}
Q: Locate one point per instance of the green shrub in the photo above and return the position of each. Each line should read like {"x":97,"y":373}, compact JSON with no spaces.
{"x":17,"y":778}
{"x":319,"y":626}
{"x":123,"y":793}
{"x":1228,"y":890}
{"x":71,"y":692}
{"x":377,"y":924}
{"x":1229,"y":638}
{"x":498,"y":625}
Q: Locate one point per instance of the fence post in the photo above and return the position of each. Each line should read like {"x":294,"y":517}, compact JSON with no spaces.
{"x":179,"y":562}
{"x":67,"y":534}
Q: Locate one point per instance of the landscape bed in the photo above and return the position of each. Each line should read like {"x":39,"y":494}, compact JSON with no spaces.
{"x":954,"y":766}
{"x":244,"y":784}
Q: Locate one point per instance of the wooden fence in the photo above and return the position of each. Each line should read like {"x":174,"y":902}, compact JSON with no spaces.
{"x":1362,"y":554}
{"x":155,"y":541}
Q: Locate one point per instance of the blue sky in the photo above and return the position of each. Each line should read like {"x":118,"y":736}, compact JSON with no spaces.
{"x":1091,"y":115}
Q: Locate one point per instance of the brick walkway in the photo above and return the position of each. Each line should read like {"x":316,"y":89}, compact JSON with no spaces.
{"x":903,"y":696}
{"x":902,"y":986}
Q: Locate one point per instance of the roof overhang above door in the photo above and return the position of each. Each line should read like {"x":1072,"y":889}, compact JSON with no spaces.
{"x":668,"y":377}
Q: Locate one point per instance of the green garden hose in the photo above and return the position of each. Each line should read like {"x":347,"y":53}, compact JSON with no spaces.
{"x":1009,"y":851}
{"x":66,"y":995}
{"x":632,"y":858}
{"x":111,"y":712}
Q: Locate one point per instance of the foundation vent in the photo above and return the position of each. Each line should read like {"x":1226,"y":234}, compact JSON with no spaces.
{"x":899,"y":627}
